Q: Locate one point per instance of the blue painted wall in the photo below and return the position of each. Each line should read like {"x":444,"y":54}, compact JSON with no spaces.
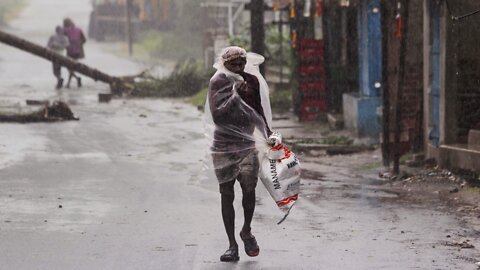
{"x":360,"y":110}
{"x":370,"y":47}
{"x":434,"y":135}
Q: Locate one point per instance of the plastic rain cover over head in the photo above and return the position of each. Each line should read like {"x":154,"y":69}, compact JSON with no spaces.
{"x":235,"y":129}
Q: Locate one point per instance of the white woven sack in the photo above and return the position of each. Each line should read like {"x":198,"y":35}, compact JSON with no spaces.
{"x":280,"y":173}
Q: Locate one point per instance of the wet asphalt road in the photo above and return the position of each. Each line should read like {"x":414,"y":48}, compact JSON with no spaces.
{"x":123,"y":187}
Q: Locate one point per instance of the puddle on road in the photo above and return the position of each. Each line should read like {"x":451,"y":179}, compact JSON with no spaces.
{"x":22,"y":85}
{"x":312,"y":175}
{"x":72,"y":101}
{"x":370,"y":193}
{"x":22,"y":211}
{"x":344,"y":187}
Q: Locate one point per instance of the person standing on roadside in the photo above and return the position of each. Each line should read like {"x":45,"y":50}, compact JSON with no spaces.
{"x":234,"y":111}
{"x":75,"y":49}
{"x":58,"y":42}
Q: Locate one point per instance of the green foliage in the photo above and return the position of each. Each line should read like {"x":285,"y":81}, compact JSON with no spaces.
{"x":199,"y":98}
{"x":242,"y":39}
{"x":371,"y":166}
{"x":338,"y":140}
{"x":9,"y":9}
{"x":281,"y":100}
{"x":185,"y":40}
{"x":278,"y":47}
{"x":472,"y":190}
{"x":331,"y":140}
{"x":170,"y":45}
{"x":406,"y":157}
{"x":187,"y":79}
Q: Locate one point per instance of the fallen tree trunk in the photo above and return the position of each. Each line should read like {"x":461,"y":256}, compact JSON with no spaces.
{"x":117,"y":84}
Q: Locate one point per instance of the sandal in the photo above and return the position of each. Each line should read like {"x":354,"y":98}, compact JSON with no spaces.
{"x":251,"y":247}
{"x":231,"y":255}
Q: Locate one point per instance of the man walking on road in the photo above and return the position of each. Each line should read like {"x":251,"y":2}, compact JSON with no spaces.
{"x":58,"y":43}
{"x":234,"y":104}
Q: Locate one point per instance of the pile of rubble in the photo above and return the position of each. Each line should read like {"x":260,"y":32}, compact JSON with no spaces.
{"x":460,"y":189}
{"x":58,"y":111}
{"x":436,"y":175}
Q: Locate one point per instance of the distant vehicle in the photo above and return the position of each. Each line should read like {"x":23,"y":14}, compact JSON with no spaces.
{"x":108,"y":17}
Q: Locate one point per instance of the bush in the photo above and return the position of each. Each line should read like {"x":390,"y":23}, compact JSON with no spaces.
{"x":281,"y":101}
{"x":9,"y":9}
{"x":331,"y":140}
{"x":187,"y":79}
{"x":273,"y":42}
{"x":198,"y":100}
{"x":170,"y":45}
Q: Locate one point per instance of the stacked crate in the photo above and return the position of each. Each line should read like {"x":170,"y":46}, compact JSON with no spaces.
{"x":312,"y":89}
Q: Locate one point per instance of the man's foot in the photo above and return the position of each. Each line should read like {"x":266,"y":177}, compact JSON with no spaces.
{"x":251,"y":247}
{"x":79,"y":82}
{"x":59,"y":83}
{"x":231,"y":255}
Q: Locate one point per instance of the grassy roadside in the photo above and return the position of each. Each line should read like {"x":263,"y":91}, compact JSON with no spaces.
{"x":198,"y":100}
{"x":9,"y":9}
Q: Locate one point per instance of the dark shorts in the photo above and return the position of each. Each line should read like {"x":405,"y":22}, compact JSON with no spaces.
{"x":241,"y":167}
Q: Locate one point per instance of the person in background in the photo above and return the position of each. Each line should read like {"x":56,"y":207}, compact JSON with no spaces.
{"x":75,"y":49}
{"x":58,"y":42}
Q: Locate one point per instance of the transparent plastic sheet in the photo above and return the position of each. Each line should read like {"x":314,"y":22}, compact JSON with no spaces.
{"x":233,"y":129}
{"x":253,"y":62}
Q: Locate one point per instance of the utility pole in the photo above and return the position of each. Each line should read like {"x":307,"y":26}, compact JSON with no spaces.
{"x":404,"y":5}
{"x":128,"y":27}
{"x":386,"y":16}
{"x":343,"y":35}
{"x":257,"y":29}
{"x":280,"y":31}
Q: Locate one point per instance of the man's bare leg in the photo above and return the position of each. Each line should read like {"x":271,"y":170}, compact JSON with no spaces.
{"x":228,"y":215}
{"x":248,"y":203}
{"x":228,"y":211}
{"x":70,"y":75}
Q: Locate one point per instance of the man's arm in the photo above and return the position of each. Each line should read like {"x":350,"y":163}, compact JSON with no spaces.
{"x":257,"y":102}
{"x":220,"y":96}
{"x":262,"y":113}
